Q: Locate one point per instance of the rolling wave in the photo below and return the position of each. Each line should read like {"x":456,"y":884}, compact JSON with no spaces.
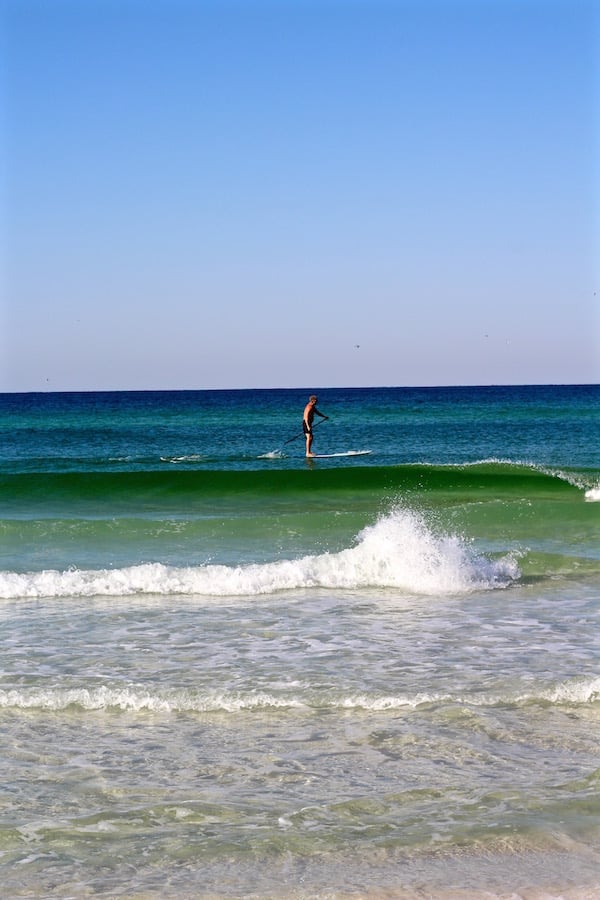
{"x":154,"y":486}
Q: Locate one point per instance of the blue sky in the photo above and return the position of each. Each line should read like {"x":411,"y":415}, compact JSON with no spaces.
{"x":295,"y":193}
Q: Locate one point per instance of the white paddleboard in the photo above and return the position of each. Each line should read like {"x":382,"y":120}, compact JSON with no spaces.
{"x":346,"y":453}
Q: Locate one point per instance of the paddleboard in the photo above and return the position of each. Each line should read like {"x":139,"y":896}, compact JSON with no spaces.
{"x":346,"y":453}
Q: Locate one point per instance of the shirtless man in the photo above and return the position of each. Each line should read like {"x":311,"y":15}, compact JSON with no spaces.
{"x":307,"y":422}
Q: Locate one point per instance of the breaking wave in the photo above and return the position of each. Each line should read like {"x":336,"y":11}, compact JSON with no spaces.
{"x":399,"y":551}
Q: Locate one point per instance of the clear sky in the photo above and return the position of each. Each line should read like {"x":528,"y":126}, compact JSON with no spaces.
{"x":299,"y":193}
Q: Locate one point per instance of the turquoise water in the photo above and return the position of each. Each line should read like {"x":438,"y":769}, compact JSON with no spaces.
{"x":231,"y":671}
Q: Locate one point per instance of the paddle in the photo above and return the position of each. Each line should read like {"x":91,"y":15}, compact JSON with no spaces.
{"x":295,"y":437}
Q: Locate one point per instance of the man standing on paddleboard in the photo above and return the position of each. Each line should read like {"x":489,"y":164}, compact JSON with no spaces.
{"x":307,"y":422}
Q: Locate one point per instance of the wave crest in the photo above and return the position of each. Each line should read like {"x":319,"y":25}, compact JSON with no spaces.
{"x":136,"y":698}
{"x":399,"y":551}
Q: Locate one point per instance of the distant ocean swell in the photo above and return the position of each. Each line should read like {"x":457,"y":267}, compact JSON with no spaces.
{"x":136,"y":698}
{"x":399,"y":551}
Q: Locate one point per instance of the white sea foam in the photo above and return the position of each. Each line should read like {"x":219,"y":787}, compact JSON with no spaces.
{"x":593,"y":495}
{"x":136,"y":698}
{"x":398,"y":551}
{"x":273,"y":454}
{"x":576,"y":690}
{"x":194,"y":457}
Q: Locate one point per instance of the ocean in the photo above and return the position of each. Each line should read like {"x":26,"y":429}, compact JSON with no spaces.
{"x":231,"y":671}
